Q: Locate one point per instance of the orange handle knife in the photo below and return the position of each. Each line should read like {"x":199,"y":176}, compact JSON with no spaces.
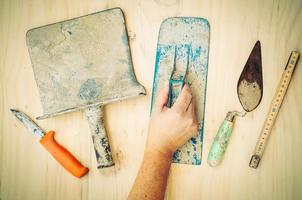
{"x":64,"y":157}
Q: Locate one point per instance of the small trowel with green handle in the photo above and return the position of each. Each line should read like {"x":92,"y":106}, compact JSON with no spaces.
{"x":249,"y":90}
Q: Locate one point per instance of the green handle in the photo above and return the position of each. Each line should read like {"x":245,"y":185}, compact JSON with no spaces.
{"x":221,"y":141}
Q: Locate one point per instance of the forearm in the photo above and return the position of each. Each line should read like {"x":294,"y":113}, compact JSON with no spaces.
{"x":169,"y":129}
{"x":152,"y":177}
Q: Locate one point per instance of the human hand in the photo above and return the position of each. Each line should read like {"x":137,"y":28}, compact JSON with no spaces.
{"x":171,"y":128}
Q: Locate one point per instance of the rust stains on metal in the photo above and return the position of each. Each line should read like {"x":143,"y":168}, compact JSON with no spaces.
{"x":250,"y":83}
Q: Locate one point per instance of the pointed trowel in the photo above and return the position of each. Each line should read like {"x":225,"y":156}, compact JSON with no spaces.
{"x":249,"y":90}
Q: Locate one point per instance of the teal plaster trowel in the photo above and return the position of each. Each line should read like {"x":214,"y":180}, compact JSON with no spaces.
{"x":249,"y":90}
{"x":182,"y":56}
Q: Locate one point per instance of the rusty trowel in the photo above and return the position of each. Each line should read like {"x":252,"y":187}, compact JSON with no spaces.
{"x":249,"y":90}
{"x":84,"y":63}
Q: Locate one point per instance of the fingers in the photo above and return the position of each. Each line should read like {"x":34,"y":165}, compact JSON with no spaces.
{"x":184,"y":99}
{"x":162,"y":98}
{"x":191,"y":114}
{"x":191,"y":110}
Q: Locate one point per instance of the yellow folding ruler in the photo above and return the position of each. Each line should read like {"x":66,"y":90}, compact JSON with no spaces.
{"x":274,"y":109}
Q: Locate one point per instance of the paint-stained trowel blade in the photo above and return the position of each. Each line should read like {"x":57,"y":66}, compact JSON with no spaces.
{"x":192,"y":34}
{"x":250,"y":83}
{"x":181,"y":62}
{"x":82,"y":62}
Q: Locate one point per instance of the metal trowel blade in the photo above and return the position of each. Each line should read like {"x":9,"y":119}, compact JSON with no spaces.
{"x":250,"y":83}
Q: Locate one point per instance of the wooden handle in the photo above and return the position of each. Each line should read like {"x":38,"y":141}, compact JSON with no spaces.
{"x":99,"y":137}
{"x":66,"y":159}
{"x":220,"y":142}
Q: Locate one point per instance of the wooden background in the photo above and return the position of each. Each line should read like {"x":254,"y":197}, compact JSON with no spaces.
{"x":27,"y":171}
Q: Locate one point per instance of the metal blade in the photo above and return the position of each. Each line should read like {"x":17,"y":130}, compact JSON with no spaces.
{"x":250,"y":83}
{"x":28,"y":123}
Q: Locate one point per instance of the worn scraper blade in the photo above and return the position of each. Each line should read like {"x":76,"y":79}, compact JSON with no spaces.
{"x":82,"y":62}
{"x":250,"y":83}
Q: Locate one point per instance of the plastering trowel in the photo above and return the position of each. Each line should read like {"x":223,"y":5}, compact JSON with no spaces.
{"x":249,"y":90}
{"x":84,"y":63}
{"x":182,"y":56}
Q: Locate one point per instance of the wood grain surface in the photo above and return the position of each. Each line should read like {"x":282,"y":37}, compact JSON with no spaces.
{"x":27,"y":171}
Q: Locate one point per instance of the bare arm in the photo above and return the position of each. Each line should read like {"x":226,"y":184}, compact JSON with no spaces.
{"x":169,"y":129}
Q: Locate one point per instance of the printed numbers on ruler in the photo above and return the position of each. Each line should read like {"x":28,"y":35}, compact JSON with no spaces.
{"x":274,"y":109}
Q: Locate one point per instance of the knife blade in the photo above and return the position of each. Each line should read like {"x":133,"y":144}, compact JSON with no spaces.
{"x":64,"y":157}
{"x":28,"y":123}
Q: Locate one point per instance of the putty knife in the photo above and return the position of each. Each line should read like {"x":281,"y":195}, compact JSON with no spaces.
{"x":63,"y":156}
{"x":84,"y":63}
{"x":249,"y":90}
{"x":182,"y":56}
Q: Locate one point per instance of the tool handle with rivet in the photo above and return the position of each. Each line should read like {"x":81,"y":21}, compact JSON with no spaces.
{"x":274,"y":109}
{"x":64,"y":157}
{"x":220,"y":142}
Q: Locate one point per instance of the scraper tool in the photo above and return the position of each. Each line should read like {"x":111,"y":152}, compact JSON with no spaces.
{"x":84,"y":64}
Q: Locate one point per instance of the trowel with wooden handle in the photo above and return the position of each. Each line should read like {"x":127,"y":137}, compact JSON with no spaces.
{"x":249,"y":90}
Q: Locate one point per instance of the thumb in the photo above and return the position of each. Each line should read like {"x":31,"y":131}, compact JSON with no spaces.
{"x":162,"y":97}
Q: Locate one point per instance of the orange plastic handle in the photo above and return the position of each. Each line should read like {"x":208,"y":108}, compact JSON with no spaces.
{"x":66,"y":159}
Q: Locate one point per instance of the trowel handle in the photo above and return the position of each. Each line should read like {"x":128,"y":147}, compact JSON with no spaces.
{"x":175,"y":87}
{"x":99,"y":137}
{"x":221,"y":140}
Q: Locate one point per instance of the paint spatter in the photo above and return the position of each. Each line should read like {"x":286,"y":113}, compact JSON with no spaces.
{"x":193,"y":32}
{"x":125,"y":38}
{"x":88,"y":65}
{"x":89,"y":90}
{"x":221,"y":141}
{"x":196,"y":53}
{"x":66,"y":54}
{"x":131,"y":35}
{"x":119,"y":159}
{"x":99,"y":137}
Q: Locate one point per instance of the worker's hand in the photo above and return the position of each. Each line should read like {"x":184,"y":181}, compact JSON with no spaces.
{"x":170,"y":128}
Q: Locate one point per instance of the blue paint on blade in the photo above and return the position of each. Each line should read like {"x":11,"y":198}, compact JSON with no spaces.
{"x":193,"y":33}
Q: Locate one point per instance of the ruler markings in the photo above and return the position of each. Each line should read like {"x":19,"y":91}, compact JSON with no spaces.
{"x":274,"y":109}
